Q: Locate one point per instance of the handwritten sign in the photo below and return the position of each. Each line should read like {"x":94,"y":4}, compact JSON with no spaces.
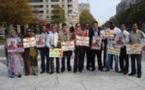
{"x":107,"y":34}
{"x":134,"y":48}
{"x":40,"y":40}
{"x":96,"y":43}
{"x":113,"y":50}
{"x":29,"y":42}
{"x":14,"y":46}
{"x":67,"y":46}
{"x":82,"y":41}
{"x":56,"y":52}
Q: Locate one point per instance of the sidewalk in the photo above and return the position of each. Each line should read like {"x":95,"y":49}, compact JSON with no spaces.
{"x":70,"y":81}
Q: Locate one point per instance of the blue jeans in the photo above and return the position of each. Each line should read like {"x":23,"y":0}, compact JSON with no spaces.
{"x":110,"y":58}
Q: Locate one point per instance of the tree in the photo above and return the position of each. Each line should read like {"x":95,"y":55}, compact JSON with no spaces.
{"x":15,"y":12}
{"x":86,"y":17}
{"x":58,"y":14}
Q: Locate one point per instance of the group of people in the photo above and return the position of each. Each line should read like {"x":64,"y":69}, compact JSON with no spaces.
{"x":53,"y":38}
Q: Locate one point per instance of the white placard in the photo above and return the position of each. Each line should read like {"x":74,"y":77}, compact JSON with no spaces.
{"x":82,"y":41}
{"x":29,"y":42}
{"x":67,"y":46}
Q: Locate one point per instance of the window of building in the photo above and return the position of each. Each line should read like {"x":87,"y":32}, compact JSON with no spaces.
{"x":54,"y":0}
{"x":35,"y":0}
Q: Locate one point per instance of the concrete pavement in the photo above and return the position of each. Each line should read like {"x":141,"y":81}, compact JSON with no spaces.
{"x":69,"y":81}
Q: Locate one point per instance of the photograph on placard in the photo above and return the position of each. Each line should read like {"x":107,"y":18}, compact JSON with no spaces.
{"x":55,"y":52}
{"x":82,"y":41}
{"x":96,"y":43}
{"x":40,"y":41}
{"x":29,"y":42}
{"x":67,"y":46}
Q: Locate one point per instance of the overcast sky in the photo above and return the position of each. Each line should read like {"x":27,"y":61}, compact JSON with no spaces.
{"x":102,"y":10}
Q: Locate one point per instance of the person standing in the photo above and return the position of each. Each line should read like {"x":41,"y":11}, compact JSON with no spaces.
{"x":111,"y":57}
{"x":94,"y":52}
{"x":135,"y":38}
{"x":30,"y":56}
{"x":124,"y":57}
{"x":79,"y":50}
{"x":15,"y":60}
{"x":44,"y":52}
{"x":65,"y":36}
{"x":51,"y":43}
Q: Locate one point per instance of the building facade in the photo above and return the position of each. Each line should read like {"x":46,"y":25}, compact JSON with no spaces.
{"x":84,"y":6}
{"x":43,"y":9}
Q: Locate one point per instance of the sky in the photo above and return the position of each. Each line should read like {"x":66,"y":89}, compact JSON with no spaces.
{"x":102,"y":10}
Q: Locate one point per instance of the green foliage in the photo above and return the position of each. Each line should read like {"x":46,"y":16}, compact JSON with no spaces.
{"x":136,"y":13}
{"x":58,"y":14}
{"x":15,"y":12}
{"x":86,"y":17}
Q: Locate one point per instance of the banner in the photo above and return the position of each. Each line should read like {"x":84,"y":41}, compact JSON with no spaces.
{"x":96,"y":43}
{"x":40,"y":41}
{"x":134,"y":48}
{"x":107,"y":34}
{"x":114,"y":50}
{"x":14,"y":46}
{"x":82,"y":41}
{"x":67,"y":46}
{"x":29,"y":42}
{"x":56,"y":52}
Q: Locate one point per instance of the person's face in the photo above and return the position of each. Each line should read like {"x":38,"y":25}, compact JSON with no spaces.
{"x":78,"y":26}
{"x":32,"y":34}
{"x":122,"y":27}
{"x":95,"y":25}
{"x":44,"y":29}
{"x":13,"y":33}
{"x":134,"y":27}
{"x":53,"y":29}
{"x":111,"y":26}
{"x":29,"y":33}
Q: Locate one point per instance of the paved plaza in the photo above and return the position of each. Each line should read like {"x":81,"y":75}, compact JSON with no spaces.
{"x":69,"y":81}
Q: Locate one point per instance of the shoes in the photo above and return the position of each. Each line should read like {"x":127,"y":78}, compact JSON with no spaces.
{"x":121,"y":71}
{"x":19,"y":76}
{"x":51,"y":72}
{"x":42,"y":72}
{"x":62,"y":70}
{"x":69,"y":69}
{"x":138,"y":76}
{"x":131,"y":74}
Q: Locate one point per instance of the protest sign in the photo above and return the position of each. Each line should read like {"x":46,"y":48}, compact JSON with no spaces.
{"x":56,"y":52}
{"x":67,"y":46}
{"x":29,"y":42}
{"x":82,"y":41}
{"x":96,"y":43}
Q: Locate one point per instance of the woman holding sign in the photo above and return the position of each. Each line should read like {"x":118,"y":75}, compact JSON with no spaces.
{"x":14,"y":57}
{"x":30,"y":54}
{"x":81,"y":41}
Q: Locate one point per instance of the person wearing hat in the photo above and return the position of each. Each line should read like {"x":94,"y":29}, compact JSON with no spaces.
{"x":14,"y":61}
{"x":30,"y":56}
